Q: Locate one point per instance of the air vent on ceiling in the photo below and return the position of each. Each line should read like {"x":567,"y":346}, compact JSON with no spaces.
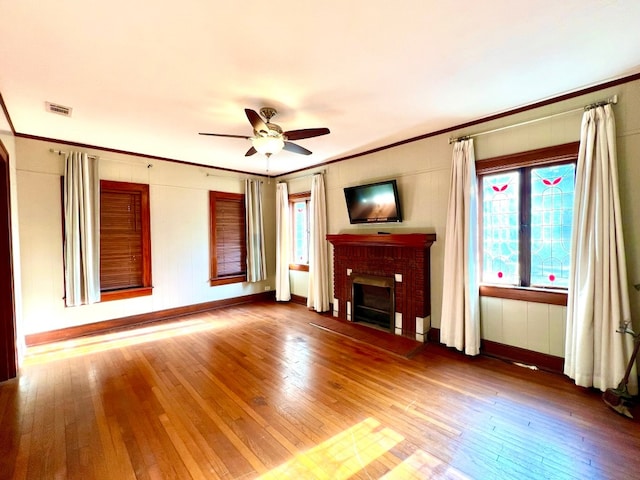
{"x":59,"y":109}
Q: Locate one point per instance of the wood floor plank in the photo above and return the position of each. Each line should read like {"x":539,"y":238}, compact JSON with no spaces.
{"x":256,"y":391}
{"x":171,"y":404}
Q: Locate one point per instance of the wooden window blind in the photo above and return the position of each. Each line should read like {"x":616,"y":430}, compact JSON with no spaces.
{"x":125,"y":257}
{"x":228,"y":238}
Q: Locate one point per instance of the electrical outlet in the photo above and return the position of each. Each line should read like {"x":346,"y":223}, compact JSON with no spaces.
{"x":267,"y":288}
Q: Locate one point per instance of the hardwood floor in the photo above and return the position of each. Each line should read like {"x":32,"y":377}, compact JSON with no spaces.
{"x":256,"y":391}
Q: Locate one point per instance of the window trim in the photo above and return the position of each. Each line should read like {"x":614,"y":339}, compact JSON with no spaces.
{"x":296,"y":197}
{"x":213,"y":251}
{"x":145,"y":211}
{"x":556,"y":154}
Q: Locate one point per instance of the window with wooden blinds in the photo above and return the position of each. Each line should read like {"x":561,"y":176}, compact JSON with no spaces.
{"x":125,"y":245}
{"x":228,"y":249}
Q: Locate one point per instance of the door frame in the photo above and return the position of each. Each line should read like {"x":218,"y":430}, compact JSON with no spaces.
{"x":8,"y":340}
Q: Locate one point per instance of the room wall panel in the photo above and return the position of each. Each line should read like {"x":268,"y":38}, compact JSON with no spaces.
{"x":422,"y":169}
{"x":179,"y":236}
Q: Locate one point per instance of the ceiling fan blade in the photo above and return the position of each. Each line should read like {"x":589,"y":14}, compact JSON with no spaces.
{"x":292,"y":147}
{"x":225,"y":135}
{"x":250,"y":152}
{"x":256,"y":122}
{"x":306,"y":133}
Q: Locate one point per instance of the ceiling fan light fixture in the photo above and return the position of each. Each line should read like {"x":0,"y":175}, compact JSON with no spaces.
{"x":268,"y":138}
{"x":267,"y":145}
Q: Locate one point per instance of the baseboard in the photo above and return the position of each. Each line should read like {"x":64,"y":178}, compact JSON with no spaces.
{"x":543,"y":361}
{"x":299,"y":300}
{"x":512,"y":354}
{"x":141,"y":319}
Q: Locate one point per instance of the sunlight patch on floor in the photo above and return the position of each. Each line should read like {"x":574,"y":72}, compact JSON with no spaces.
{"x":349,"y":453}
{"x":341,"y":456}
{"x":122,"y":338}
{"x":423,"y":465}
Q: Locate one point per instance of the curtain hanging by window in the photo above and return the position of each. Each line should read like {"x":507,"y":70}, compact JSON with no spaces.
{"x":318,"y":294}
{"x":256,"y":259}
{"x":598,"y":300}
{"x":81,"y":229}
{"x":283,"y":235}
{"x":460,"y":321}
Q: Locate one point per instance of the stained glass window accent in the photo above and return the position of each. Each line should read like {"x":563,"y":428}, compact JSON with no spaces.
{"x":526,"y":226}
{"x":500,"y":228}
{"x":552,"y":192}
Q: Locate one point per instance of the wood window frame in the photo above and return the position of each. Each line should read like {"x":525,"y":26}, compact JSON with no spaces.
{"x":296,"y":197}
{"x":146,"y":288}
{"x":214,"y":279}
{"x":557,"y":154}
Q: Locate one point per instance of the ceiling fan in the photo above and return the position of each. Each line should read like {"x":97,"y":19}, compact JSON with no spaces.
{"x":268,"y":138}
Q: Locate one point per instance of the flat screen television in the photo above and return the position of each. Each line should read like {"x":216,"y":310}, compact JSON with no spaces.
{"x":373,"y":203}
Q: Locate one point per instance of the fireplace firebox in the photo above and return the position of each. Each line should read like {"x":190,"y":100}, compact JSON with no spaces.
{"x":373,"y":300}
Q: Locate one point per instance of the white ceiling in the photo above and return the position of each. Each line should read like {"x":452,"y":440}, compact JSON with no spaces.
{"x":146,"y":77}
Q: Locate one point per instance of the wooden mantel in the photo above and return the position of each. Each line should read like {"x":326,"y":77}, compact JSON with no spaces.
{"x":413,"y":240}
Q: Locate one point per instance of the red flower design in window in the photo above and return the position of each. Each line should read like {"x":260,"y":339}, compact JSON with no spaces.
{"x":551,"y":183}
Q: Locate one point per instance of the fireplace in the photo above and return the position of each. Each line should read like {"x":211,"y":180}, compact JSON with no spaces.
{"x":383,"y":280}
{"x":373,"y":300}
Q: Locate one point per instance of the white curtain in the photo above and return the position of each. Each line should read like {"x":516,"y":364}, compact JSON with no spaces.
{"x":598,"y":301}
{"x":81,"y":229}
{"x":283,"y":236}
{"x":318,"y":294}
{"x":460,"y":321}
{"x":256,"y":260}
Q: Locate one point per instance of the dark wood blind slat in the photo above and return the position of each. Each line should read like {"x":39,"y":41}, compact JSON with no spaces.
{"x":121,"y":260}
{"x":229,"y":251}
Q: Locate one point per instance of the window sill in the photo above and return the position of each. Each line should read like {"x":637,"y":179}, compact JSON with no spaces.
{"x":227,"y":280}
{"x":299,"y":267}
{"x":551,"y":297}
{"x":128,"y":293}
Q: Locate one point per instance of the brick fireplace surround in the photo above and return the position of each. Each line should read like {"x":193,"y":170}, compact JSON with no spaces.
{"x":403,"y":257}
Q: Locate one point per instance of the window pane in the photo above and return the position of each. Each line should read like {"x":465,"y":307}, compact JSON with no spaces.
{"x":552,"y":190}
{"x":500,"y":228}
{"x":300,"y":233}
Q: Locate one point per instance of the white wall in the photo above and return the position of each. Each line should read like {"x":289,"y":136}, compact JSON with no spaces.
{"x":422,"y":169}
{"x":179,"y":201}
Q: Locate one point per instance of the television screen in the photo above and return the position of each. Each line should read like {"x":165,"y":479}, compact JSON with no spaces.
{"x":373,"y":203}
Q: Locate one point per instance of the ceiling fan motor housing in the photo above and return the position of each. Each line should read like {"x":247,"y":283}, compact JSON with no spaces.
{"x":274,"y":130}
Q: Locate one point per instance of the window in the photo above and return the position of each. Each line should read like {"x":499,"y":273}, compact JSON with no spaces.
{"x":299,"y":207}
{"x":526,"y":213}
{"x":228,"y":250}
{"x":125,"y":240}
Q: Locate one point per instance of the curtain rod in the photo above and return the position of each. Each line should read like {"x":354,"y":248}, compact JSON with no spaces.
{"x":303,"y":176}
{"x":62,"y":152}
{"x":97,"y":157}
{"x":208,"y":174}
{"x":610,"y":100}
